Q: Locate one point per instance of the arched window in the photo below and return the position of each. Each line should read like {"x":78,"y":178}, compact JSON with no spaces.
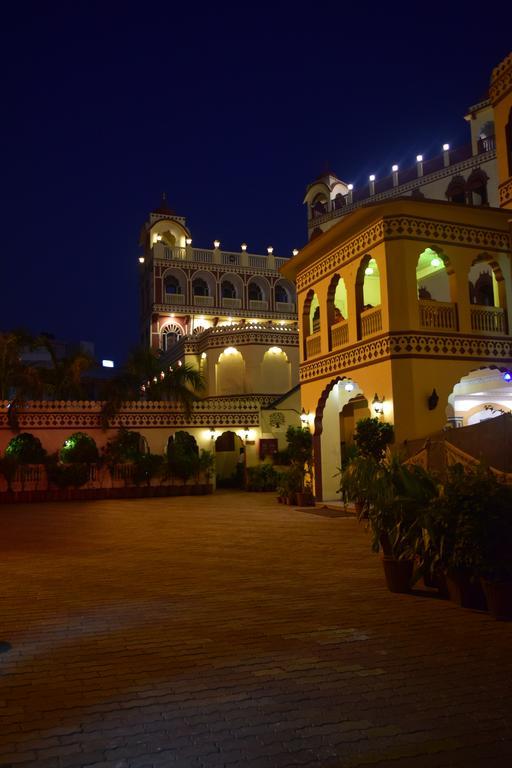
{"x":369,"y":316}
{"x":172,"y":285}
{"x":200,"y":287}
{"x":228,"y":290}
{"x":255,"y":293}
{"x":170,"y":334}
{"x":456,"y":191}
{"x":315,"y":320}
{"x":281,"y":294}
{"x":434,"y":286}
{"x":337,"y":312}
{"x":319,"y":206}
{"x":477,"y":187}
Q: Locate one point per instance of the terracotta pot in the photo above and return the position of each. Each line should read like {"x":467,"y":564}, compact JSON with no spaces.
{"x":305,"y":500}
{"x":499,"y":599}
{"x":398,"y":573}
{"x":465,"y":592}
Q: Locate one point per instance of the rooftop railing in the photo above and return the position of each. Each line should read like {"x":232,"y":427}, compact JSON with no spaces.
{"x":392,"y":183}
{"x":216,"y":256}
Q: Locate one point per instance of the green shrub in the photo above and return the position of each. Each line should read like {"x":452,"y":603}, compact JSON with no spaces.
{"x":262,"y":478}
{"x":79,"y":448}
{"x":72,"y":475}
{"x":147,"y":466}
{"x":372,"y":436}
{"x":25,"y":449}
{"x":126,"y":446}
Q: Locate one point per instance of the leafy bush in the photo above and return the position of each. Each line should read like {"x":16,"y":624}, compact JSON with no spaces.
{"x":147,"y":466}
{"x":183,"y":456}
{"x":73,"y":475}
{"x":372,"y":436}
{"x":470,"y":525}
{"x":262,"y":478}
{"x":79,"y":448}
{"x":25,"y":449}
{"x":126,"y":446}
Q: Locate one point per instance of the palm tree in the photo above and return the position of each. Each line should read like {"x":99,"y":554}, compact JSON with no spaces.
{"x":64,"y":379}
{"x":142,"y":375}
{"x":17,"y":380}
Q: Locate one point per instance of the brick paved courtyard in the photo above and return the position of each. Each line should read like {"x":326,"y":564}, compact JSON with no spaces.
{"x":232,"y":631}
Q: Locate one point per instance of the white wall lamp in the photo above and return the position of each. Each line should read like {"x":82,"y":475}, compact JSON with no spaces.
{"x":378,"y":405}
{"x":304,"y":418}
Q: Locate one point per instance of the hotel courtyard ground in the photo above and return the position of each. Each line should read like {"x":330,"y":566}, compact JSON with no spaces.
{"x":232,"y":631}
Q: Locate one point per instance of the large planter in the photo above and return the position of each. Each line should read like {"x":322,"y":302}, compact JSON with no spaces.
{"x":499,"y":599}
{"x":398,"y":573}
{"x":465,"y":592}
{"x":305,"y":500}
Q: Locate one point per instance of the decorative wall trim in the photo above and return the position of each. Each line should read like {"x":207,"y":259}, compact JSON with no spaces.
{"x":194,"y":309}
{"x":230,"y":411}
{"x":501,"y":80}
{"x":408,"y":345}
{"x":406,"y":228}
{"x":505,"y":191}
{"x":224,"y":336}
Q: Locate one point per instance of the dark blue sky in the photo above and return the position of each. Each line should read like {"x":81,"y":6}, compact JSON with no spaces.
{"x":231,"y":109}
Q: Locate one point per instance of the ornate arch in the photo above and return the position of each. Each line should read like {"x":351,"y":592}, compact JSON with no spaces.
{"x":456,"y":190}
{"x":170,"y":334}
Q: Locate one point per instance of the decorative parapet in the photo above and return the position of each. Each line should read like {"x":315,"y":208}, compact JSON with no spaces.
{"x":215,"y":309}
{"x":201,"y":258}
{"x":418,"y":345}
{"x":501,"y":80}
{"x":407,"y":228}
{"x":475,"y":161}
{"x":222,"y":336}
{"x":229,"y":411}
{"x":505,"y":190}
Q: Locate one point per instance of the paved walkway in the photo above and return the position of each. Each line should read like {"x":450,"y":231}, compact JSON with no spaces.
{"x":233,"y":631}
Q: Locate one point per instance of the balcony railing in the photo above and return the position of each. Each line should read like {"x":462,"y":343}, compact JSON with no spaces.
{"x":203,"y":301}
{"x":440,"y":315}
{"x":175,"y":253}
{"x":231,"y":303}
{"x":339,"y":334}
{"x":174,"y":298}
{"x":260,"y":262}
{"x":488,"y":319}
{"x":200,"y":255}
{"x":285,"y":306}
{"x":231,"y":258}
{"x":216,"y":256}
{"x":258,"y":304}
{"x":371,"y":321}
{"x":313,"y":344}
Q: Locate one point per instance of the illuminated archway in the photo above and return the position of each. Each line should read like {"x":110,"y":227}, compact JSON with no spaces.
{"x":230,"y":372}
{"x":368,"y":297}
{"x":341,"y":405}
{"x":275,"y":371}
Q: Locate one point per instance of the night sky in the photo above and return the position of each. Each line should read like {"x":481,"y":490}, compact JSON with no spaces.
{"x":230,"y":109}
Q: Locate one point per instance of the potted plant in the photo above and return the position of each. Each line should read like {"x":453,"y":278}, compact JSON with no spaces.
{"x":461,"y":521}
{"x":300,"y":454}
{"x":396,"y":498}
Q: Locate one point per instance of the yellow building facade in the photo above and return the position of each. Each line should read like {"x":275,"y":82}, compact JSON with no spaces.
{"x":500,"y":94}
{"x":399,"y":303}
